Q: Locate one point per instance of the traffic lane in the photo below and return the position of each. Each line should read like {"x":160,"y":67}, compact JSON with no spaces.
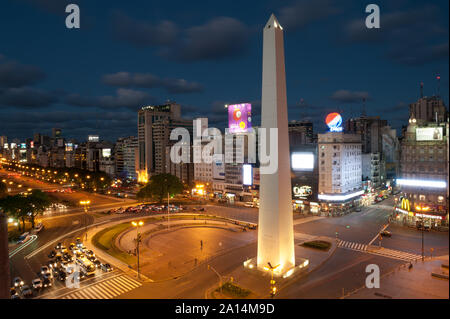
{"x":344,"y":271}
{"x":246,"y":214}
{"x":194,"y":284}
{"x":358,"y":227}
{"x":27,"y":268}
{"x":410,"y":240}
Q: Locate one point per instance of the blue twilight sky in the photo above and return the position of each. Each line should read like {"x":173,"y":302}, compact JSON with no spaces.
{"x":204,"y":54}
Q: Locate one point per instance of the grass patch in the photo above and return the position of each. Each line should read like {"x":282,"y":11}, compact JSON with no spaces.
{"x":317,"y":244}
{"x":234,"y":291}
{"x":105,"y":240}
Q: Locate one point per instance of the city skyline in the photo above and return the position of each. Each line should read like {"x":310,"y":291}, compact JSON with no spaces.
{"x":65,"y":84}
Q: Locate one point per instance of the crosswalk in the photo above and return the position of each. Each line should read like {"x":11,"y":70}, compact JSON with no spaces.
{"x":107,"y":289}
{"x":352,"y":245}
{"x":396,"y":254}
{"x":385,"y":252}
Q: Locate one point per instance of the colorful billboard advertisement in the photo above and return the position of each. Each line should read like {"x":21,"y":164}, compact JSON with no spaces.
{"x":429,"y":133}
{"x":239,"y":117}
{"x":334,"y":122}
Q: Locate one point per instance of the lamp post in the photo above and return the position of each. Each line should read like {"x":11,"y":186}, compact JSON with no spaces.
{"x":273,"y":288}
{"x":138,"y":239}
{"x":218,"y":275}
{"x":168,"y":224}
{"x":85,"y":204}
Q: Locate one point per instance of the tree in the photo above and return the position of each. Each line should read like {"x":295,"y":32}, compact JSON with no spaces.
{"x":3,"y":189}
{"x":15,"y":206}
{"x":37,"y":202}
{"x":159,"y":186}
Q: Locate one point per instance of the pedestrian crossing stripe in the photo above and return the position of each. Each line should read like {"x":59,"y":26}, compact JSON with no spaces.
{"x":352,"y":245}
{"x":106,"y":289}
{"x":385,"y":252}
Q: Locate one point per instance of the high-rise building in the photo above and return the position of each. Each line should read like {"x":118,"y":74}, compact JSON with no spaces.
{"x":340,"y":170}
{"x":424,"y":173}
{"x":130,"y":157}
{"x":428,"y":109}
{"x":373,"y":163}
{"x":300,"y":133}
{"x":147,"y":116}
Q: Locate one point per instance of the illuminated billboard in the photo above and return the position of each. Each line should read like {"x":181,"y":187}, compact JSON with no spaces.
{"x":106,"y":152}
{"x":69,"y":147}
{"x":93,"y":138}
{"x":334,"y":122}
{"x":302,"y":161}
{"x":302,"y":191}
{"x":239,"y":117}
{"x":429,"y":133}
{"x":23,"y":145}
{"x":247,"y":174}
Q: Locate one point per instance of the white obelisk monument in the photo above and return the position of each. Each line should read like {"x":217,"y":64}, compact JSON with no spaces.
{"x":275,"y":228}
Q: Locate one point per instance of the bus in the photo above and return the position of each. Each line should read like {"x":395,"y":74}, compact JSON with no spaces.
{"x":86,"y":265}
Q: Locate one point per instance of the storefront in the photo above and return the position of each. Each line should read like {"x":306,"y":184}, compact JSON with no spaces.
{"x":407,"y":214}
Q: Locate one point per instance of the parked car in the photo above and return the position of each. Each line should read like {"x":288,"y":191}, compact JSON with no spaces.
{"x":36,"y":283}
{"x":62,"y":276}
{"x":357,"y":209}
{"x":52,"y":254}
{"x":45,"y":270}
{"x":97,"y":263}
{"x":23,"y":238}
{"x":18,"y":282}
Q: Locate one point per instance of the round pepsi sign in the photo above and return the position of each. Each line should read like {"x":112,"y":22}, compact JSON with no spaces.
{"x":334,"y":122}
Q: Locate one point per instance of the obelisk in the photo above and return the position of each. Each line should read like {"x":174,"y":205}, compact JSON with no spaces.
{"x":275,"y":228}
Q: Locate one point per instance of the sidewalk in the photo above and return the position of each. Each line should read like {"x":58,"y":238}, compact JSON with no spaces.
{"x":414,"y":283}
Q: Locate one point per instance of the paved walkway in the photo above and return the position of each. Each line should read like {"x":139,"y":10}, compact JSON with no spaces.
{"x":414,"y":283}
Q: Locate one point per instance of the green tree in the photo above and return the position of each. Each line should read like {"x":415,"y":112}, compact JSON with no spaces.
{"x":16,"y":206}
{"x":159,"y":186}
{"x":36,"y":203}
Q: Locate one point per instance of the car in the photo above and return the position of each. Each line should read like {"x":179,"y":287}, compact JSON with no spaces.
{"x":97,"y":263}
{"x":13,"y":291}
{"x":52,"y":254}
{"x":18,"y":282}
{"x":92,"y":258}
{"x":90,"y":253}
{"x":67,"y":257}
{"x":386,"y":233}
{"x":52,"y":263}
{"x":23,"y":238}
{"x":72,"y":246}
{"x":26,"y":291}
{"x":58,"y":246}
{"x":249,"y":204}
{"x":36,"y":283}
{"x":45,"y":270}
{"x":106,"y":267}
{"x":47,"y":282}
{"x":357,"y":209}
{"x":62,"y":276}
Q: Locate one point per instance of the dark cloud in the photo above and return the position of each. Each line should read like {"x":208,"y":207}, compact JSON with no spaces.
{"x":125,"y":98}
{"x":219,"y":38}
{"x":303,"y":12}
{"x":216,"y":39}
{"x":346,"y":96}
{"x":412,"y":37}
{"x":14,"y":74}
{"x":26,"y":97}
{"x":143,"y":33}
{"x":147,"y":80}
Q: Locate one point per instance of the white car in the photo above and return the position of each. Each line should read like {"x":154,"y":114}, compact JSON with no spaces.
{"x":36,"y":283}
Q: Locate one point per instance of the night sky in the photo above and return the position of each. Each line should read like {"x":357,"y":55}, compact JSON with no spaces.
{"x":204,"y":54}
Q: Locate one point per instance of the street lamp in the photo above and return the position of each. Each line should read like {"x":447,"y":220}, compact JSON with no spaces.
{"x":218,"y":275}
{"x":138,"y":239}
{"x":85,"y":204}
{"x":273,"y":288}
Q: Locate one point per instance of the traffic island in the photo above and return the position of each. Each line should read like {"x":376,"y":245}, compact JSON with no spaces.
{"x":249,"y":277}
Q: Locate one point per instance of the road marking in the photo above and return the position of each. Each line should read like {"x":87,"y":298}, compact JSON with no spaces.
{"x":384,"y":252}
{"x":24,"y":245}
{"x":106,"y":289}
